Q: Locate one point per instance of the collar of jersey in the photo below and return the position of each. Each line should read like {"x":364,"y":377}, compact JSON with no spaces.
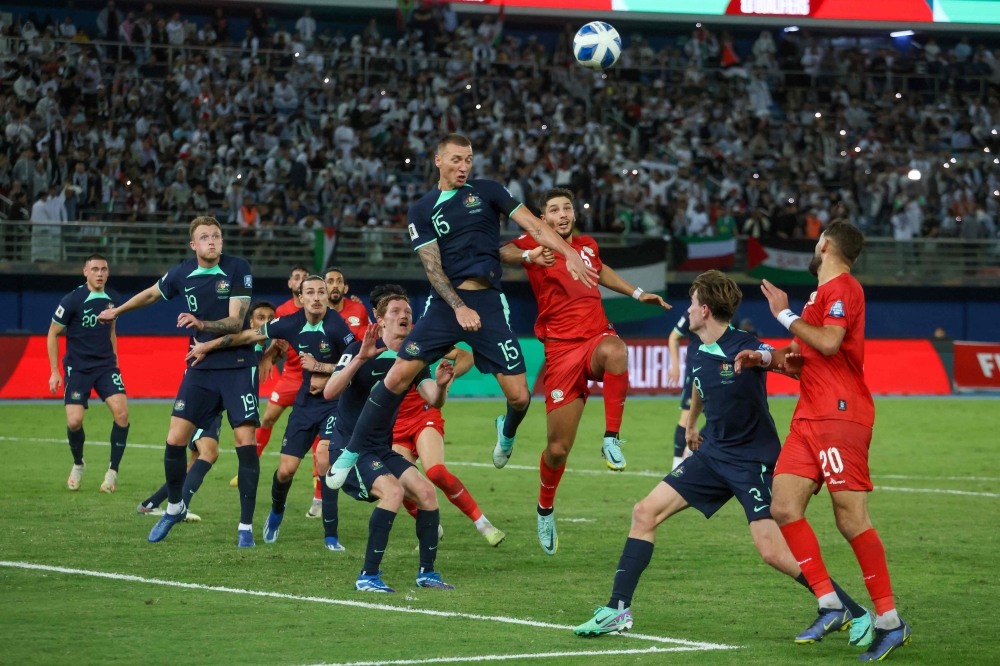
{"x":214,"y":270}
{"x":313,"y":328}
{"x":95,"y":295}
{"x":447,"y":194}
{"x":714,"y":349}
{"x":388,"y":353}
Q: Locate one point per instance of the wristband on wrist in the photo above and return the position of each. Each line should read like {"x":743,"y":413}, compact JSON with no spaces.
{"x":786,"y":317}
{"x":765,"y":358}
{"x":637,"y":293}
{"x":526,"y":257}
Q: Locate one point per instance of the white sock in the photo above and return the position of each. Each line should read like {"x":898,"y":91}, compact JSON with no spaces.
{"x":677,"y":461}
{"x":887,"y":620}
{"x":830,"y":600}
{"x":483,"y":524}
{"x":244,"y":526}
{"x":174,"y":509}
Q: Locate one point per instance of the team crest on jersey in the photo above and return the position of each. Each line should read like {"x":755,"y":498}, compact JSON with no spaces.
{"x":557,"y":395}
{"x":726,"y":370}
{"x":324,"y":347}
{"x":677,"y":473}
{"x":413,"y":349}
{"x":76,"y":395}
{"x":179,"y":406}
{"x":222,"y":287}
{"x":353,"y":321}
{"x":588,"y":250}
{"x":376,"y":465}
{"x":837,"y":309}
{"x":473,"y":200}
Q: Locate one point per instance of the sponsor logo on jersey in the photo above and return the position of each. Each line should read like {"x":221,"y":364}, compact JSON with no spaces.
{"x":179,"y":406}
{"x":413,"y":349}
{"x":557,"y":395}
{"x":248,"y":281}
{"x":413,"y":232}
{"x":376,"y":465}
{"x":76,"y":395}
{"x":726,"y":370}
{"x":60,"y":311}
{"x":473,"y":200}
{"x":222,"y":287}
{"x":837,"y":309}
{"x":353,"y":321}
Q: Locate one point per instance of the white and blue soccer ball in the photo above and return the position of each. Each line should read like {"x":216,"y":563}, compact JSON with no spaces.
{"x":597,"y":45}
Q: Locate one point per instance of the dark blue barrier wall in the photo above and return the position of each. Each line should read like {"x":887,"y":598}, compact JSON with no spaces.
{"x":27,"y":303}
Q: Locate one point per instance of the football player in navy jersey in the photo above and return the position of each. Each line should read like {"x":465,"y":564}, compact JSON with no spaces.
{"x":318,"y":331}
{"x":216,"y":288}
{"x":735,"y":457}
{"x":455,"y":228}
{"x":681,"y":330}
{"x":91,"y":362}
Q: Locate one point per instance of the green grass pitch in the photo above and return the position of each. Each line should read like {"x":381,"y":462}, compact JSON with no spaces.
{"x":706,"y":582}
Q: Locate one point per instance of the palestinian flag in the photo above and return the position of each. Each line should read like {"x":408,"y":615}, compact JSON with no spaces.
{"x":643,"y":265}
{"x":701,"y":253}
{"x":781,"y":261}
{"x":326,"y":242}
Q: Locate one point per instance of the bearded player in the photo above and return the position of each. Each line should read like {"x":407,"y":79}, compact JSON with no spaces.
{"x":455,"y":228}
{"x":580,"y":346}
{"x":832,"y":431}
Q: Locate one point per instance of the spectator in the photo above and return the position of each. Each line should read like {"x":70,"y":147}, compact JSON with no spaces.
{"x":108,"y":21}
{"x":306,"y":27}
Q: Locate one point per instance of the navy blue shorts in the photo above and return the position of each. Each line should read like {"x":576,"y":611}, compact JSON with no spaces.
{"x":305,"y":423}
{"x":106,"y":381}
{"x":494,"y":345}
{"x":205,"y":393}
{"x":707,"y":484}
{"x":372,"y":463}
{"x":212,"y":432}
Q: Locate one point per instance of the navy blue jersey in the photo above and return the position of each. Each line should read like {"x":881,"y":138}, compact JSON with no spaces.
{"x":88,"y":342}
{"x":207,"y":292}
{"x":683,"y":328}
{"x":466,"y":225}
{"x":739,"y":425}
{"x":352,"y":400}
{"x":324,"y":341}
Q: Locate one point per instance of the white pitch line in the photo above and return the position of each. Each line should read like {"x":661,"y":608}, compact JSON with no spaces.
{"x":508,"y":657}
{"x":530,"y":468}
{"x":344,"y":602}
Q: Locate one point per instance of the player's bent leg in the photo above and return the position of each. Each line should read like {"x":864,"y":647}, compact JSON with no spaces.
{"x":428,"y":521}
{"x":609,"y":364}
{"x":321,"y":465}
{"x":616,"y":616}
{"x":118,"y":404}
{"x":175,"y":471}
{"x":75,"y":435}
{"x":281,"y":483}
{"x":515,"y":389}
{"x":772,"y":547}
{"x":247,"y":481}
{"x":561,"y":425}
{"x":330,"y":500}
{"x":390,"y":493}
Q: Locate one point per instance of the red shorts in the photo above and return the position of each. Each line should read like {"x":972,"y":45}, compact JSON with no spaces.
{"x":567,"y":370}
{"x":286,"y":389}
{"x":832,"y":451}
{"x":406,"y":433}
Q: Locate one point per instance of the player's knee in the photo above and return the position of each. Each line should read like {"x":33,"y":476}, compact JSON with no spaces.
{"x":426,"y":497}
{"x":74,"y":422}
{"x":519,"y":398}
{"x":286,"y":472}
{"x":643,"y":516}
{"x":851,"y":523}
{"x":393,"y":495}
{"x":209,"y":454}
{"x":784,"y":512}
{"x":556,"y":454}
{"x":616,"y":357}
{"x":121,"y":417}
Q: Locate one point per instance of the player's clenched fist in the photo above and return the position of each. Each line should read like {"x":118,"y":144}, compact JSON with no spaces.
{"x":445,"y":373}
{"x":107,"y":316}
{"x":55,"y":383}
{"x":188,"y":320}
{"x":468,"y":318}
{"x":693,"y":438}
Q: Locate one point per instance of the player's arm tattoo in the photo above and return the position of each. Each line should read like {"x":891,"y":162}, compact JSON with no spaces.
{"x":430,"y":255}
{"x":229,"y":324}
{"x":229,"y":339}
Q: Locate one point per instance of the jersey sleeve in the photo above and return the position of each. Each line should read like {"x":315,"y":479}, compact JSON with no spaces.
{"x":843,"y":306}
{"x":681,"y":327}
{"x":525,"y":242}
{"x":242,"y":280}
{"x":748,"y":341}
{"x":349,"y":353}
{"x":280,"y":328}
{"x":498,"y":197}
{"x":419,"y":226}
{"x":170,"y":284}
{"x":65,"y":311}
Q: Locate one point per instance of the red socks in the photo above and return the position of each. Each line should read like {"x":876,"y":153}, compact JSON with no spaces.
{"x":802,"y":542}
{"x":411,"y":507}
{"x":550,"y":477}
{"x":871,"y":556}
{"x":455,"y":490}
{"x":263,"y":437}
{"x":615,"y":390}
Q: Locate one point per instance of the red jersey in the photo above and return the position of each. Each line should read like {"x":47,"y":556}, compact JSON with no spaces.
{"x":293,"y":365}
{"x":567,"y":309}
{"x":833,"y":387}
{"x":412,"y":408}
{"x":356,"y":317}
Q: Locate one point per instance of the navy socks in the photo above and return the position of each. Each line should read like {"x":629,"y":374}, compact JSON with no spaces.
{"x":634,"y":560}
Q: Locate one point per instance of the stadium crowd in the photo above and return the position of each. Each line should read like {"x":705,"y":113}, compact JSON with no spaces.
{"x":151,"y":117}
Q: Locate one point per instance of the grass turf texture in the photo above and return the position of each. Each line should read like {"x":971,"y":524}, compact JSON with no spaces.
{"x":706,"y":581}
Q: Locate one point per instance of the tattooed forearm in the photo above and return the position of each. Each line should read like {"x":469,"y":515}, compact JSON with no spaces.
{"x":230,"y":324}
{"x":430,"y":255}
{"x":225,"y":341}
{"x":536,"y":231}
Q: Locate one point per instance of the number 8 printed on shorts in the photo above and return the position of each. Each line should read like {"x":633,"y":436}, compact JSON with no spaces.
{"x":831,"y":456}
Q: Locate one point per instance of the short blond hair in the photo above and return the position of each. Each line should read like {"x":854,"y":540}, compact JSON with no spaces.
{"x":203,"y":221}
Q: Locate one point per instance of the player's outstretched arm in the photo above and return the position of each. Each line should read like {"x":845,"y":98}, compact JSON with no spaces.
{"x":430,"y":256}
{"x":436,"y":392}
{"x":340,"y":379}
{"x":674,"y":345}
{"x":140,"y":300}
{"x":691,"y":435}
{"x":52,"y":344}
{"x":238,"y":306}
{"x":512,"y":255}
{"x":545,"y":236}
{"x":824,"y":339}
{"x":200,"y":349}
{"x":615,"y":282}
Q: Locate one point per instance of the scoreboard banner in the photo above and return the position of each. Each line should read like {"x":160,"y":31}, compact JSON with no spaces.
{"x":153,"y":366}
{"x":897,"y":11}
{"x":977,"y":366}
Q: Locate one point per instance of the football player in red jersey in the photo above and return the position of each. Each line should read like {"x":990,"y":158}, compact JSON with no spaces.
{"x":580,"y":346}
{"x":353,"y":311}
{"x":291,"y":372}
{"x":831,"y":431}
{"x":419,"y":433}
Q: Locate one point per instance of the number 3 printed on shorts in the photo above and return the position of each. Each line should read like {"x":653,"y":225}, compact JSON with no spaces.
{"x":831,"y":456}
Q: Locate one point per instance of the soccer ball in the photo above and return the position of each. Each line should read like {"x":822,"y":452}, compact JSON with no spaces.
{"x":597,"y":45}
